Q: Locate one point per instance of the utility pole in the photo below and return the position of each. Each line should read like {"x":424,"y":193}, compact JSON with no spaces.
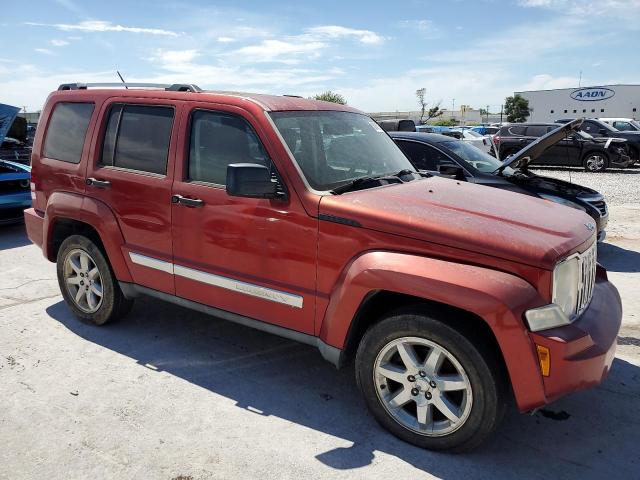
{"x":453,"y":107}
{"x":487,"y":114}
{"x":501,"y":109}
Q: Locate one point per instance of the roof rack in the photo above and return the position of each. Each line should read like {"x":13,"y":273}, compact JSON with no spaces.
{"x":176,"y":87}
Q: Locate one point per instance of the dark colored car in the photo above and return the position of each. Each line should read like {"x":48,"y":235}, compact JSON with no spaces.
{"x":402,"y":125}
{"x":578,"y":149}
{"x":446,"y":157}
{"x":599,"y":129}
{"x":15,"y":194}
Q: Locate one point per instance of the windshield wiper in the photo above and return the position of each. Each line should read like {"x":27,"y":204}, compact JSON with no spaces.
{"x":357,"y":182}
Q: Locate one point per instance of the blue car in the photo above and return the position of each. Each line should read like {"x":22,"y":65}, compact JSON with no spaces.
{"x":15,"y":191}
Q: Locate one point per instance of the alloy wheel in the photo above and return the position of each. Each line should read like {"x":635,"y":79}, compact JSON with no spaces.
{"x":423,"y":386}
{"x":83,"y":280}
{"x":595,"y":163}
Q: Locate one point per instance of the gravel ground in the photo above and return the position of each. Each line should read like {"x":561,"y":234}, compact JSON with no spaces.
{"x":619,"y":186}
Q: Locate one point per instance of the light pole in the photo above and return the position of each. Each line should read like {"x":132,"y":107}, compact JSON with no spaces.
{"x":453,"y":107}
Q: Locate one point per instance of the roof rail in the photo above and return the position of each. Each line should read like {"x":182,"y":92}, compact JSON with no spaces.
{"x":176,"y":87}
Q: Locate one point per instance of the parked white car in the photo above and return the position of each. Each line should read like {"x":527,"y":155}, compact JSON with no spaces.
{"x":483,"y":142}
{"x":623,"y":124}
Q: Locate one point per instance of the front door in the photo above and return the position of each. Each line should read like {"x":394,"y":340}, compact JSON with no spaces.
{"x":131,"y":172}
{"x":254,"y":257}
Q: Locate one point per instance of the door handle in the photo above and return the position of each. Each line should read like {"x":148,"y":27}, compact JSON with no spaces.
{"x":189,"y":202}
{"x":94,"y":182}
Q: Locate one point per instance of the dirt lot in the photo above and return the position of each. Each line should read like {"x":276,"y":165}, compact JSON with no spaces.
{"x":168,"y":392}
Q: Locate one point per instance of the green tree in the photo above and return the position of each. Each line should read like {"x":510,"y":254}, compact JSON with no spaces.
{"x":516,"y":108}
{"x":452,"y":122}
{"x":330,"y":96}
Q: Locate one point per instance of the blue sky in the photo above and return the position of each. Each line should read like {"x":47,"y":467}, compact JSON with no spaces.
{"x":374,"y":53}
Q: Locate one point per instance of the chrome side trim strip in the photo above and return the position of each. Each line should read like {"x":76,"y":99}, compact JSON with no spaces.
{"x":238,"y":286}
{"x":151,"y":262}
{"x":219,"y":281}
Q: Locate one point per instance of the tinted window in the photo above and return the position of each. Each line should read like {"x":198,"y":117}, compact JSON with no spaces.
{"x":137,"y":138}
{"x":218,"y":139}
{"x":514,"y":130}
{"x":67,"y":130}
{"x":623,"y":126}
{"x":424,"y":157}
{"x":537,"y":130}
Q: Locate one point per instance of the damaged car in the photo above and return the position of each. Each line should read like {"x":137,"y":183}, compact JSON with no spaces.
{"x":15,"y":192}
{"x":450,"y":158}
{"x":577,"y":149}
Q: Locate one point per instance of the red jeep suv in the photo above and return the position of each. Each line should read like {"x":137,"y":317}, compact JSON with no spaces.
{"x":302,"y":218}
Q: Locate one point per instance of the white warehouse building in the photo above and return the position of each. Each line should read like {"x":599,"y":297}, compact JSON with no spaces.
{"x":605,"y":101}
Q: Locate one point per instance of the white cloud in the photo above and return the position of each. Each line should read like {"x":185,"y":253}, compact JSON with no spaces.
{"x":102,"y":26}
{"x":175,"y":56}
{"x":278,"y":51}
{"x":548,"y":82}
{"x":336,"y":31}
{"x":226,"y":39}
{"x":44,"y":51}
{"x":59,"y":43}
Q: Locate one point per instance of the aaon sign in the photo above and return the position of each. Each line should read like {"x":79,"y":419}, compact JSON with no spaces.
{"x":592,"y":94}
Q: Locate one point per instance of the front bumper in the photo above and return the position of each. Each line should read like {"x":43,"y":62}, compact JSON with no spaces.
{"x":623,"y":161}
{"x":581,"y":353}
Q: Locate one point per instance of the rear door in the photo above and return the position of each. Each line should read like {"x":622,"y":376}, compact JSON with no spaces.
{"x":424,"y":157}
{"x":131,"y":172}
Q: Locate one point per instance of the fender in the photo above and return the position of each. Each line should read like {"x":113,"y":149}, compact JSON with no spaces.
{"x":92,"y":212}
{"x":498,"y":298}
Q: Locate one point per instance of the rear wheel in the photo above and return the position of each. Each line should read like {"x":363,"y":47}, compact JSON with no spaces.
{"x":87,"y":283}
{"x":595,"y":162}
{"x":428,"y":384}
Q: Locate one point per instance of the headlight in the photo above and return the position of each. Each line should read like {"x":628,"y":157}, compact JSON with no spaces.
{"x":562,"y":201}
{"x":566,"y":276}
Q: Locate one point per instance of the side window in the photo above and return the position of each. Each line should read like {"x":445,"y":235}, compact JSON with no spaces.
{"x":137,"y":137}
{"x":622,"y":126}
{"x":67,"y":130}
{"x":536,"y":131}
{"x":516,"y":130}
{"x":217,"y":140}
{"x":424,"y":157}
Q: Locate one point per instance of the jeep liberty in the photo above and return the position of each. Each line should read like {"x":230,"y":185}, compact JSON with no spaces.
{"x":304,"y":219}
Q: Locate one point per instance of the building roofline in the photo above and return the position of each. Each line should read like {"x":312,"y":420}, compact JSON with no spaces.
{"x":578,"y":88}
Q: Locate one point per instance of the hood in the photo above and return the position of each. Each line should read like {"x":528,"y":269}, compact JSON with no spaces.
{"x":532,"y":151}
{"x":555,"y":186}
{"x":488,"y":221}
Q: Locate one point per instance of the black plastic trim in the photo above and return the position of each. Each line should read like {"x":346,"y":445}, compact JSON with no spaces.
{"x":340,"y":220}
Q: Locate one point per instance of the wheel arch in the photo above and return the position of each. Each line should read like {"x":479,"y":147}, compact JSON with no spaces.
{"x":486,"y":304}
{"x":71,"y":214}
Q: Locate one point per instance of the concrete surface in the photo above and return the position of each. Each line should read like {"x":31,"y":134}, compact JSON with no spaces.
{"x":169,"y":393}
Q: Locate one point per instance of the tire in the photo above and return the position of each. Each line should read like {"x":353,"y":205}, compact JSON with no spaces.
{"x":82,"y":265}
{"x":480,"y":406}
{"x":595,"y":162}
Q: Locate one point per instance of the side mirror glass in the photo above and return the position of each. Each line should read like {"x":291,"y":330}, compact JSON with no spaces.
{"x":453,"y":171}
{"x":250,"y":180}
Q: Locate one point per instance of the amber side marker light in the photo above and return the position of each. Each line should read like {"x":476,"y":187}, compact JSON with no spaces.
{"x":545,"y":359}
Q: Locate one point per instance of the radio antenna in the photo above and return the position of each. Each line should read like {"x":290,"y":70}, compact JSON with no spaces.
{"x":122,"y":80}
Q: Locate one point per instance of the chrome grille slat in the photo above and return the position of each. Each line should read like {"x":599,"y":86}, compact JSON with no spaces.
{"x":588,"y":260}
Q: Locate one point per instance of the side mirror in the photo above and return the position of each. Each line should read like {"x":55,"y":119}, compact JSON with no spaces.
{"x":250,"y":180}
{"x":453,"y":171}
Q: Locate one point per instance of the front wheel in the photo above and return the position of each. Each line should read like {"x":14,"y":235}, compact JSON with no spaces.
{"x":428,"y":384}
{"x":595,"y":162}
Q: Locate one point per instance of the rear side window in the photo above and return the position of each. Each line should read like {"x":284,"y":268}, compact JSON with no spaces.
{"x":217,"y":140}
{"x":512,"y":130}
{"x":137,"y":137}
{"x":67,"y":130}
{"x":537,"y":130}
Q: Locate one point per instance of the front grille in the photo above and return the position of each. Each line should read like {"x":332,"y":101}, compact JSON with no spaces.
{"x":587,"y":261}
{"x":601,"y":206}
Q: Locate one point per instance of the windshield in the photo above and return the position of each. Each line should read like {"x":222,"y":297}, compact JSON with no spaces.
{"x":333,"y":148}
{"x":481,"y":161}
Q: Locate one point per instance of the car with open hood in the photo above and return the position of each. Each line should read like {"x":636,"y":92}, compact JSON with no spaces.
{"x":602,"y":131}
{"x":449,"y":158}
{"x":304,"y":219}
{"x":15,"y":194}
{"x":576,"y":149}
